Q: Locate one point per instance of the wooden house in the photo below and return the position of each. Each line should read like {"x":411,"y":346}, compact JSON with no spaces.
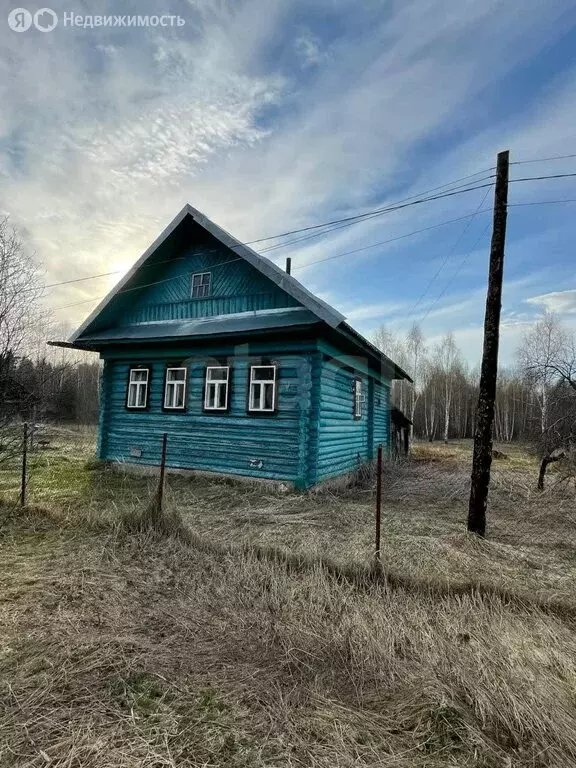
{"x":247,"y":372}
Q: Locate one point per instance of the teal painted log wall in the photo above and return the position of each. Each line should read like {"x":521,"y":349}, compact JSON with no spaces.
{"x":343,"y":442}
{"x":224,"y":443}
{"x":381,"y":416}
{"x":312,"y":437}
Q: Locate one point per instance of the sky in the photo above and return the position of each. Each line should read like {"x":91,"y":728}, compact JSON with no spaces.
{"x":272,"y":115}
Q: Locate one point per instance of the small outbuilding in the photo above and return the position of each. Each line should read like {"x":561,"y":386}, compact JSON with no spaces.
{"x":245,"y":369}
{"x":400,"y":437}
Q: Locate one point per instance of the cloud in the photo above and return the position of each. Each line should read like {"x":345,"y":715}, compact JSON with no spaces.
{"x":104,"y":134}
{"x":372,"y":311}
{"x":309,"y":49}
{"x":556,"y":301}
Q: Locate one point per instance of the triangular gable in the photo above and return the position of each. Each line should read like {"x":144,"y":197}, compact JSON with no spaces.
{"x":285,"y":282}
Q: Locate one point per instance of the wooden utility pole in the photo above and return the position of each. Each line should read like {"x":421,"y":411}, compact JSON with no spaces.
{"x":485,"y":409}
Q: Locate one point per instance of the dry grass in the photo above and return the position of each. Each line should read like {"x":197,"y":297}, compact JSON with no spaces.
{"x":253,"y":631}
{"x":139,"y":650}
{"x":530,"y":550}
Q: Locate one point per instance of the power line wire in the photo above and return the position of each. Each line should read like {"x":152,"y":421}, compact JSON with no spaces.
{"x":543,"y":202}
{"x":390,"y":240}
{"x":369,"y":213}
{"x":343,"y":222}
{"x":347,"y":221}
{"x":450,"y":253}
{"x":302,"y":266}
{"x":147,"y":285}
{"x":540,"y":178}
{"x":415,"y":202}
{"x":543,"y":159}
{"x":456,"y":273}
{"x":115,"y":272}
{"x":368,"y":216}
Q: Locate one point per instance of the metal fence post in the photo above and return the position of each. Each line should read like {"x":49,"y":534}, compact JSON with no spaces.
{"x":162,"y":473}
{"x":24,"y":465}
{"x":378,"y":500}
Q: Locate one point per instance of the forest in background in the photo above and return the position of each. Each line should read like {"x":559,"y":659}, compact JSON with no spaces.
{"x":536,"y":398}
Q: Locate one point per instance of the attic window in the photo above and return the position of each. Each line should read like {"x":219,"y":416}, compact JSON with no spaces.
{"x":201,"y":283}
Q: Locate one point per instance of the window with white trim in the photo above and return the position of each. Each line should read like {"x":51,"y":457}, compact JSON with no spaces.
{"x":358,"y":398}
{"x":262,"y":397}
{"x":175,"y":389}
{"x":216,"y":388}
{"x":138,"y":388}
{"x":201,"y":283}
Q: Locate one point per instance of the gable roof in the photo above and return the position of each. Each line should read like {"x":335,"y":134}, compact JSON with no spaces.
{"x":313,"y":309}
{"x":279,"y":277}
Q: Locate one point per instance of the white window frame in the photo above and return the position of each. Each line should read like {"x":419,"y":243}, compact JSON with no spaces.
{"x":176,"y":385}
{"x":258,"y":385}
{"x":135,"y":386}
{"x":216,"y":383}
{"x":201,"y":285}
{"x":358,"y":398}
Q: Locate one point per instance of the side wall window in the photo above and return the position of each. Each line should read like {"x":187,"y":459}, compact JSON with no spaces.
{"x":262,"y":394}
{"x":175,"y":389}
{"x":138,"y":388}
{"x":358,"y":398}
{"x":216,"y":388}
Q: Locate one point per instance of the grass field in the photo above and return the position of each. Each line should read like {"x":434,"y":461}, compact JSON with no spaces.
{"x":258,"y":635}
{"x":530,"y":548}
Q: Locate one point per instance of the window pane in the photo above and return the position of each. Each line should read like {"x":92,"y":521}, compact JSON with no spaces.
{"x":179,"y":396}
{"x":268,"y":396}
{"x":176,"y":374}
{"x":139,"y":375}
{"x":217,"y":374}
{"x":201,"y":284}
{"x":131,"y":396}
{"x":210,"y":395}
{"x":254,"y":396}
{"x":222,"y":396}
{"x":141,"y":399}
{"x":263,"y":373}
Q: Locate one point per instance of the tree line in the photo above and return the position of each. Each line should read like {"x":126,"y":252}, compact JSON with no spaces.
{"x":36,"y":381}
{"x":535,"y":400}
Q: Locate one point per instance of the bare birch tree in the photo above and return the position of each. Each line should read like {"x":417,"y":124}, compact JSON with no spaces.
{"x":416,"y":351}
{"x":20,"y":289}
{"x":541,"y":351}
{"x":448,"y":359}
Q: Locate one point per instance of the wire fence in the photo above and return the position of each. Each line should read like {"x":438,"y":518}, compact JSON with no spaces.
{"x":423,"y":510}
